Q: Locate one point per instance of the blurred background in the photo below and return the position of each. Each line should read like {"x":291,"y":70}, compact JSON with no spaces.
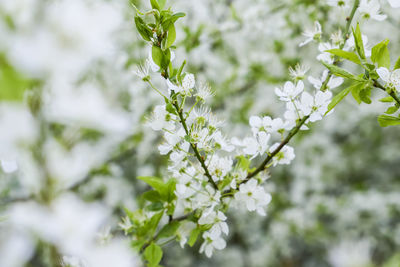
{"x":70,"y":64}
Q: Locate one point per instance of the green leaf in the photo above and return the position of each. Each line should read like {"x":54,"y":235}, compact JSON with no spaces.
{"x":365,"y":95}
{"x":193,"y":236}
{"x":386,"y":99}
{"x":169,"y":229}
{"x":171,"y":20}
{"x":342,"y":73}
{"x":162,"y":3}
{"x":152,"y":196}
{"x":155,"y":5}
{"x":392,"y":109}
{"x":153,"y":254}
{"x":359,"y":42}
{"x":169,"y":192}
{"x":156,"y":206}
{"x":13,"y":84}
{"x":151,"y":226}
{"x":157,"y":55}
{"x":385,"y":120}
{"x":154,"y":182}
{"x":346,"y":55}
{"x":397,"y":64}
{"x":340,"y":96}
{"x":171,"y":36}
{"x":380,"y":54}
{"x":143,"y":29}
{"x":355,"y":91}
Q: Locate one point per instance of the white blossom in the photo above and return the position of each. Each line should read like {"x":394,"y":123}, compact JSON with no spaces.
{"x":161,"y":119}
{"x":314,"y":34}
{"x":315,"y":106}
{"x":253,"y":196}
{"x":391,"y":78}
{"x":370,"y":9}
{"x":212,"y":241}
{"x":332,"y":83}
{"x":289,"y":91}
{"x":284,"y":156}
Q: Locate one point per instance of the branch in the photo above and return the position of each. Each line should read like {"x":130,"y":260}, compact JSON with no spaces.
{"x":392,"y":94}
{"x":194,"y":146}
{"x":294,"y":131}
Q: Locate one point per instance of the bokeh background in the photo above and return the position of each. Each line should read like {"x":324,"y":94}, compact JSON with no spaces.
{"x":337,"y":204}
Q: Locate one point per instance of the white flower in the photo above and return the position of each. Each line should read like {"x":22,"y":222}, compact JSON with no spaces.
{"x":298,"y":72}
{"x":370,"y":9}
{"x":253,"y":196}
{"x":217,"y":219}
{"x":188,"y":83}
{"x":9,"y":166}
{"x":201,"y":137}
{"x":316,"y":106}
{"x":391,"y":78}
{"x":394,"y":3}
{"x":142,"y":71}
{"x":284,"y":156}
{"x":289,"y":91}
{"x":333,"y":81}
{"x":219,"y":166}
{"x":211,"y":241}
{"x":237,"y":177}
{"x":125,"y":225}
{"x":187,"y":186}
{"x":171,"y":140}
{"x":314,"y":34}
{"x":326,"y":56}
{"x":184,"y":231}
{"x":208,"y":198}
{"x":222,"y":142}
{"x":254,"y":145}
{"x":161,"y":119}
{"x":338,"y":3}
{"x":204,"y":92}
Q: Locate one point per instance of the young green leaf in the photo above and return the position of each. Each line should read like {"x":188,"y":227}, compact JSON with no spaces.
{"x":157,"y":55}
{"x":355,"y":92}
{"x":143,"y":29}
{"x":397,"y":64}
{"x":171,"y":20}
{"x":342,"y":73}
{"x":386,"y":99}
{"x":151,"y":226}
{"x":153,"y":254}
{"x":380,"y":54}
{"x":386,"y":120}
{"x":340,"y":96}
{"x":346,"y":55}
{"x":154,"y":182}
{"x":13,"y":84}
{"x":152,"y":196}
{"x":392,"y":109}
{"x":171,"y":36}
{"x":358,"y":41}
{"x":169,"y":229}
{"x":365,"y":95}
{"x":155,"y":5}
{"x":162,"y":3}
{"x":193,"y":236}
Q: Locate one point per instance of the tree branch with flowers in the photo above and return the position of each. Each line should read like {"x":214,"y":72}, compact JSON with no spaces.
{"x":209,"y":172}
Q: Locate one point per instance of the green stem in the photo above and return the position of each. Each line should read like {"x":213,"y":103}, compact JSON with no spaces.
{"x":346,"y":37}
{"x":392,"y":94}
